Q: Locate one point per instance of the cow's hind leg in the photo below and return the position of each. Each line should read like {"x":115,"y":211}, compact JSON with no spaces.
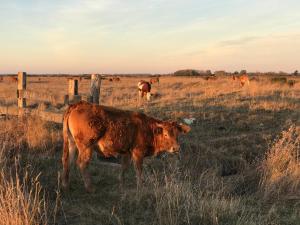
{"x":67,"y":161}
{"x":83,"y":160}
{"x":140,"y":97}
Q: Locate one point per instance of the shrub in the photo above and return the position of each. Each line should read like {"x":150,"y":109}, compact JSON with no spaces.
{"x":187,"y":72}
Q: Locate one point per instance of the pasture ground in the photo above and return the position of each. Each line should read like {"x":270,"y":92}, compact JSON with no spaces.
{"x":238,"y":165}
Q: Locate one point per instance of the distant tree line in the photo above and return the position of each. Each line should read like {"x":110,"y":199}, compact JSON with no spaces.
{"x":193,"y":72}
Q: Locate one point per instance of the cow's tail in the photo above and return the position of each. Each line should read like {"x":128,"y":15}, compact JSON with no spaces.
{"x":66,"y":133}
{"x":68,"y":149}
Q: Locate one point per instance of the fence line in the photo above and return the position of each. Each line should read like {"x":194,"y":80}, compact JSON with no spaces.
{"x":72,"y":97}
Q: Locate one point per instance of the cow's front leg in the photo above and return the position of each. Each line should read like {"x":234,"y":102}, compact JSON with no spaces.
{"x":137,"y":157}
{"x":125,"y":162}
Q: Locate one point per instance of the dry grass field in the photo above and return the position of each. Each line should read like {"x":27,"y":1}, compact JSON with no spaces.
{"x":238,"y":165}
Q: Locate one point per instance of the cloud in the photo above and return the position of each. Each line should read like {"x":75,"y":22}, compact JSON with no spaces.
{"x":256,"y":39}
{"x":239,"y":41}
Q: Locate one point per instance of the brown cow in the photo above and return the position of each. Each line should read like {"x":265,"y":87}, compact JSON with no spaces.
{"x":12,"y":79}
{"x":144,"y":88}
{"x":132,"y":135}
{"x":154,"y":80}
{"x":243,"y":79}
{"x":116,"y":79}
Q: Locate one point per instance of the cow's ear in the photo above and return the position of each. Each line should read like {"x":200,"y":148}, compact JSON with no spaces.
{"x":158,"y":130}
{"x":184,"y":128}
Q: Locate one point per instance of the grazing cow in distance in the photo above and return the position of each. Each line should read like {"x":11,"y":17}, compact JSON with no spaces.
{"x":243,"y":79}
{"x":144,"y":88}
{"x":13,"y":79}
{"x":212,"y":77}
{"x":114,"y":79}
{"x":113,"y":132}
{"x":154,"y":80}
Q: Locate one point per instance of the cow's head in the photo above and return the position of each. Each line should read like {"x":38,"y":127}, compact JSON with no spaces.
{"x":166,"y":136}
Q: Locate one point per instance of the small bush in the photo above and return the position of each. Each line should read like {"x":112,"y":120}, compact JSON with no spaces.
{"x":186,"y":73}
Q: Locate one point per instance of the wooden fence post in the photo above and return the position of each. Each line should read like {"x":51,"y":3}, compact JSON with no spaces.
{"x":73,"y":91}
{"x":73,"y":87}
{"x":95,"y":89}
{"x":21,"y":89}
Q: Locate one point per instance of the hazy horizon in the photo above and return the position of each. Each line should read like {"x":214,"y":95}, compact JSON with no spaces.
{"x":155,"y":36}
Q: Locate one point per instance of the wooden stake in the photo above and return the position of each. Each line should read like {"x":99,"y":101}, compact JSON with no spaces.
{"x":95,"y":89}
{"x":21,"y":89}
{"x":73,"y":91}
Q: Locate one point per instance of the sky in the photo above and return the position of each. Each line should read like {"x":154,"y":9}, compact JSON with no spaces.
{"x":148,"y":36}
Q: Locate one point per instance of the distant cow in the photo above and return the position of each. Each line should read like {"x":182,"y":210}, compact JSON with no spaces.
{"x":113,"y":132}
{"x":154,"y":80}
{"x":144,"y":88}
{"x":114,"y":79}
{"x":243,"y":79}
{"x":13,"y":79}
{"x":212,"y":77}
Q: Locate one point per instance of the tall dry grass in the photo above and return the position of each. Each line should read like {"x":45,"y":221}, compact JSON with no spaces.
{"x":172,"y":197}
{"x":180,"y":201}
{"x":21,"y":197}
{"x":29,"y":133}
{"x":21,"y":200}
{"x":281,"y":166}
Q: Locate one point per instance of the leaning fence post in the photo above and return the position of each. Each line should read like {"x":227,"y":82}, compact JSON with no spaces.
{"x":95,"y":89}
{"x":21,"y":89}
